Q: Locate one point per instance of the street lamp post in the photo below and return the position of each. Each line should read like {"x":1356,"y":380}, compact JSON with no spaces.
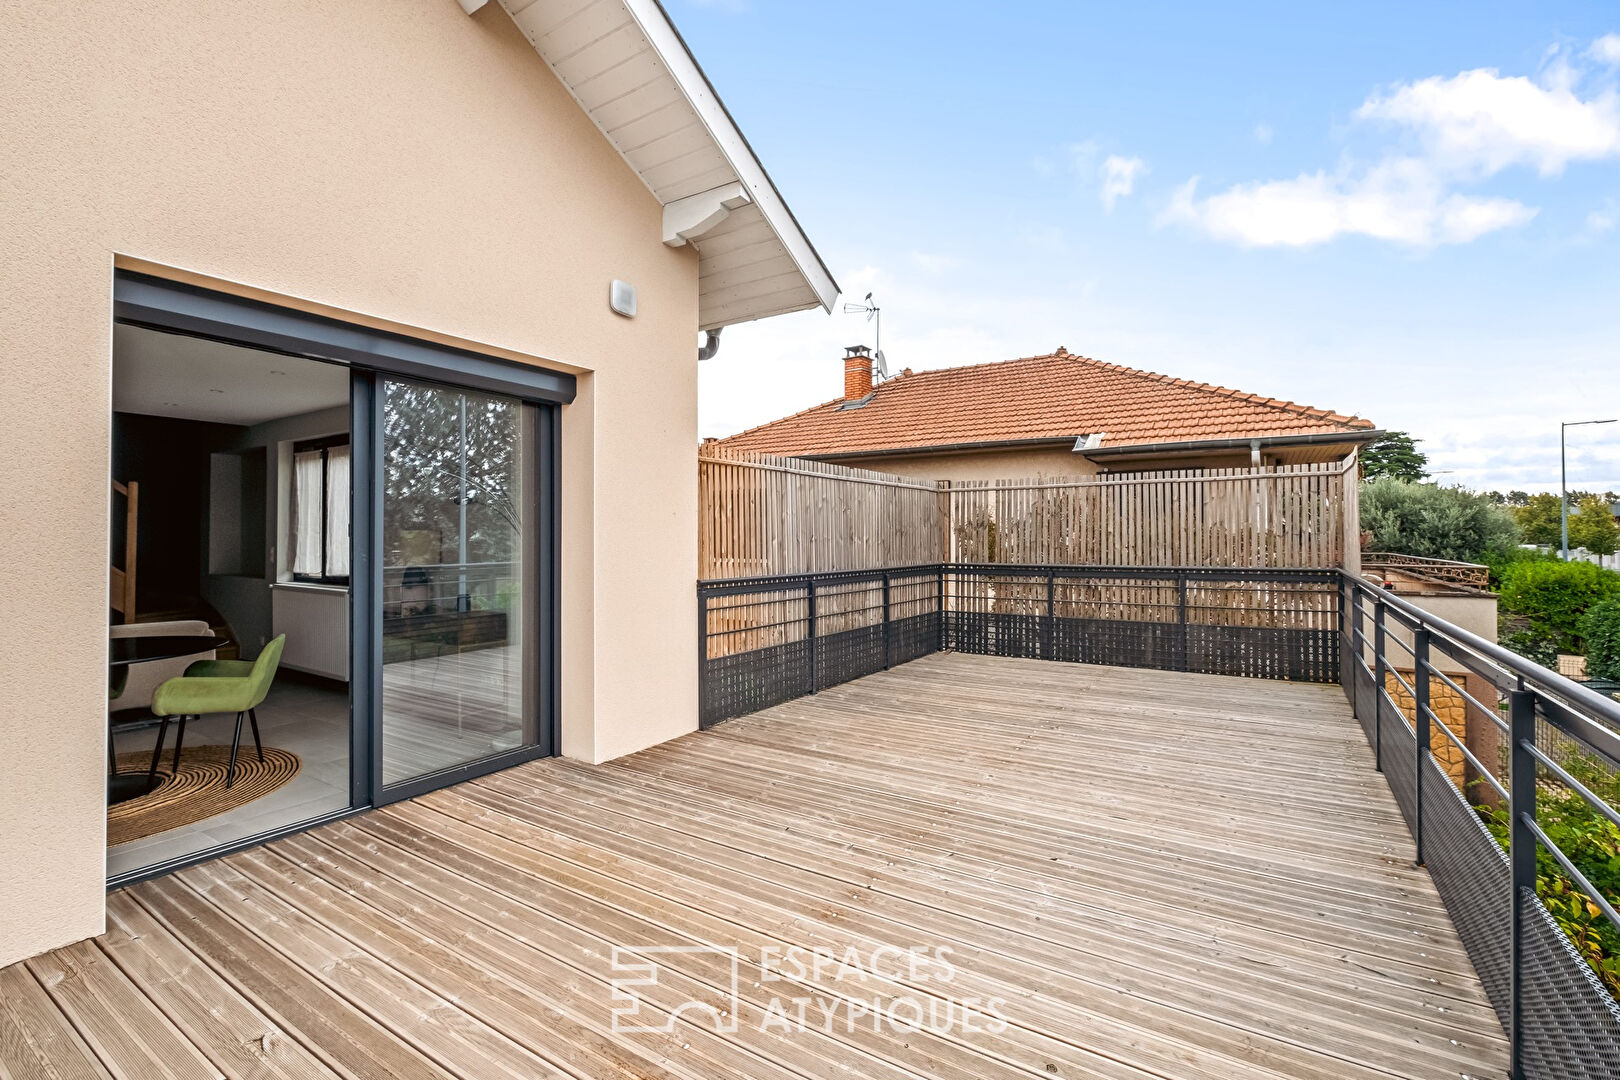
{"x":1563,"y":485}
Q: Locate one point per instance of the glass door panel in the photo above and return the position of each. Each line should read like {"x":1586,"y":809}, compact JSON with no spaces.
{"x":456,"y":678}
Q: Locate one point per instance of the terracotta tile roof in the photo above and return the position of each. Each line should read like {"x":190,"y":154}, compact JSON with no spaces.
{"x":1058,"y":396}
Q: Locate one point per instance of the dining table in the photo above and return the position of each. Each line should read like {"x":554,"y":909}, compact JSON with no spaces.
{"x":121,"y":653}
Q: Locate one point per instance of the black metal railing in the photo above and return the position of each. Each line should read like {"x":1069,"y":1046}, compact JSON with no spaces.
{"x":1525,"y":733}
{"x":767,"y":640}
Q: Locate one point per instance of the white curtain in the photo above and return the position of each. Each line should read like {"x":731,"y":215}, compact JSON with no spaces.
{"x":307,"y":513}
{"x":337,"y":512}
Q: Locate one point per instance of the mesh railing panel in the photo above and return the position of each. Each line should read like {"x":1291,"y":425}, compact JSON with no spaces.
{"x":771,"y":640}
{"x":750,"y":681}
{"x":1470,"y":871}
{"x":1398,"y":748}
{"x":1571,"y":1025}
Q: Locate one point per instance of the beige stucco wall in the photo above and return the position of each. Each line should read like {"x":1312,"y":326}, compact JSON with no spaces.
{"x":1468,"y":609}
{"x":390,"y":158}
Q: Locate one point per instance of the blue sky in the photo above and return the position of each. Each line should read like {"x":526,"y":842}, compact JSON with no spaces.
{"x":1408,"y":212}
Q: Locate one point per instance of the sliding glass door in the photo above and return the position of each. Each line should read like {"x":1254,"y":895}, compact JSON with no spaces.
{"x":459,"y":581}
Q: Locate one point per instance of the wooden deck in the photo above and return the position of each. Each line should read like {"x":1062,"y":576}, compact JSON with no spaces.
{"x":1146,"y":874}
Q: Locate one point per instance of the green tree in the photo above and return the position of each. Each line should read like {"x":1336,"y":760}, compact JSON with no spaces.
{"x":1592,"y":526}
{"x":1394,"y":454}
{"x":1435,"y":522}
{"x":1538,"y":520}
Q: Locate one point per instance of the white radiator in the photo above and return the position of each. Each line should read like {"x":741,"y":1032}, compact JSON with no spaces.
{"x":316,"y":622}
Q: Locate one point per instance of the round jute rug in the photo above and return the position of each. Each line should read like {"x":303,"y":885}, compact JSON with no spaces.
{"x":198,"y":790}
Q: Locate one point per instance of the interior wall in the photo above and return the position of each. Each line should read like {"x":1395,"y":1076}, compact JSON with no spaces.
{"x":399,"y":164}
{"x":245,"y":600}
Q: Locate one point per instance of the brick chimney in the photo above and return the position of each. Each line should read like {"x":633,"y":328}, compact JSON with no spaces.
{"x":857,"y":372}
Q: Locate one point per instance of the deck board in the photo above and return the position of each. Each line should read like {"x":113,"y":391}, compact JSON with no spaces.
{"x":1160,"y":875}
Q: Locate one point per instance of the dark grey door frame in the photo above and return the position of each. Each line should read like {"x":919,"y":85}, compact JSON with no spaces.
{"x":143,"y":300}
{"x":173,"y":307}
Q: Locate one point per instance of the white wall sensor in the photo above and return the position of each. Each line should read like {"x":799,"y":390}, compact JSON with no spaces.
{"x":622,"y":298}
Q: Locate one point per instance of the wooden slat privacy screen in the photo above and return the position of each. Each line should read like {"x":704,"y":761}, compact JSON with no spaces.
{"x":762,"y":515}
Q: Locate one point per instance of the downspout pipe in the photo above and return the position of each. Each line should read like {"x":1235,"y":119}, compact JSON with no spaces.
{"x":711,"y":344}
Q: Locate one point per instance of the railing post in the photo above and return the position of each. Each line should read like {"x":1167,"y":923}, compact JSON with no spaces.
{"x":1420,"y":725}
{"x":810,"y":608}
{"x":1048,"y":639}
{"x":885,"y":620}
{"x":939,"y":605}
{"x":1521,"y":850}
{"x":1380,"y":677}
{"x":703,"y":654}
{"x":1354,"y":640}
{"x":1181,"y":620}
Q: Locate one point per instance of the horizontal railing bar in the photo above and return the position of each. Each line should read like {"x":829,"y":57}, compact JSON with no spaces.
{"x":1569,"y":868}
{"x":1601,"y":739}
{"x":1489,"y":711}
{"x":1479,"y":765}
{"x":1596,"y":801}
{"x":1391,"y":639}
{"x":1498,"y":677}
{"x":1255,"y":574}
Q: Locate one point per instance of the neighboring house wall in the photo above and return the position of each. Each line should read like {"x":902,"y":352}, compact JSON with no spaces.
{"x":1012,"y":464}
{"x":1020,"y":463}
{"x":398,"y":164}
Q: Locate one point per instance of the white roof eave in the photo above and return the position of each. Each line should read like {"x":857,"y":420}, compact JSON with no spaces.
{"x":589,"y":44}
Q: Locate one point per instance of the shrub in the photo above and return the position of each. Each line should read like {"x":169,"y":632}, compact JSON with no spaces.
{"x":1553,"y":596}
{"x":1500,"y":562}
{"x":1537,"y":646}
{"x":1601,"y":629}
{"x":1434,"y":522}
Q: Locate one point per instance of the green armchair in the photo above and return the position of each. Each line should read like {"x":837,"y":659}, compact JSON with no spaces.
{"x":218,"y":686}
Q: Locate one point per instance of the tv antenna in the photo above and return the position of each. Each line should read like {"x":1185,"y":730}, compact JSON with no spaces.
{"x":873,"y":314}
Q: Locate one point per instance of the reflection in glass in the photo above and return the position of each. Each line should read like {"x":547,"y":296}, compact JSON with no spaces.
{"x":453,"y":582}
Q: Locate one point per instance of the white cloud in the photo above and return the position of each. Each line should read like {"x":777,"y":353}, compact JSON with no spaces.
{"x":1459,"y":131}
{"x":1604,"y":218}
{"x":1480,"y":122}
{"x":1606,"y":49}
{"x":1401,"y":200}
{"x":1119,"y":177}
{"x":1262,"y":134}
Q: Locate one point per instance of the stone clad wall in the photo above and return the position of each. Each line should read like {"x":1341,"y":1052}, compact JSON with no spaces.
{"x":1475,"y":731}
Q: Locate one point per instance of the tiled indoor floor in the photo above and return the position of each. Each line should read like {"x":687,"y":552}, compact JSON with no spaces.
{"x":308,"y":718}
